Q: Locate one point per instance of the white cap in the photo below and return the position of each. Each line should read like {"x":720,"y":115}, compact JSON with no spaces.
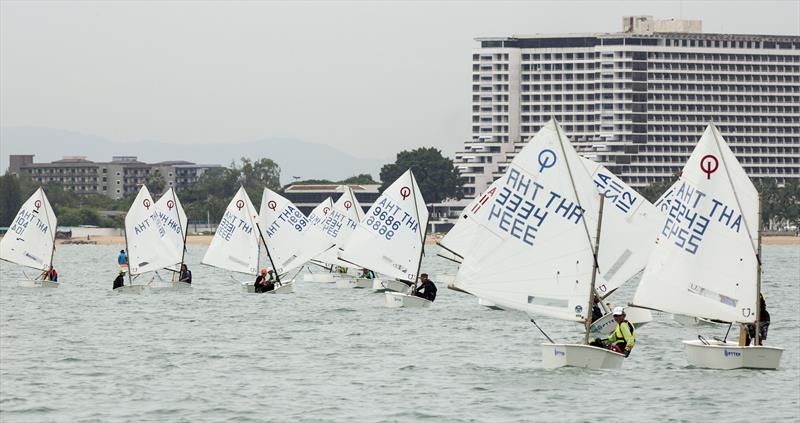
{"x":619,"y":311}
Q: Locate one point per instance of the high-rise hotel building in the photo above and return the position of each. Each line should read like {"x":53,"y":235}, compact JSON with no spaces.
{"x":638,"y":100}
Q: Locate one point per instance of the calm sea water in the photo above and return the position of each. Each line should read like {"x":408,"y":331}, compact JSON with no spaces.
{"x":84,"y":353}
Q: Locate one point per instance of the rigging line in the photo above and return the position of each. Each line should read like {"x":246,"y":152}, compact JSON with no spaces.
{"x":542,"y":331}
{"x":574,"y":188}
{"x":733,"y":188}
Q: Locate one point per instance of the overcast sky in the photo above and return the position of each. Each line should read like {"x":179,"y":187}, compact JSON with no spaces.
{"x":368,"y":78}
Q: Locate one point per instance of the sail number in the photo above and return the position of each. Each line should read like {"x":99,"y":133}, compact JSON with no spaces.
{"x":383,"y":223}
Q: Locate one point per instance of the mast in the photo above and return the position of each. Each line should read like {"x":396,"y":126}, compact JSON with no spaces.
{"x":263,"y":241}
{"x":592,"y":294}
{"x":758,"y":277}
{"x":52,"y":232}
{"x":184,"y":230}
{"x":128,"y":258}
{"x":425,"y":232}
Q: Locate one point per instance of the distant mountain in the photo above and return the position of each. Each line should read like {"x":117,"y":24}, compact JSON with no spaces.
{"x":296,"y":158}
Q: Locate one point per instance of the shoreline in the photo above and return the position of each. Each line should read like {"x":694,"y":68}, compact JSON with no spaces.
{"x":430,"y":240}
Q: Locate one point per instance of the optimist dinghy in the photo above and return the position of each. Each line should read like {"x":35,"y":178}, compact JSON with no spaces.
{"x":236,"y":244}
{"x":707,"y":259}
{"x":174,"y":220}
{"x":146,"y":242}
{"x":539,"y":227}
{"x":30,"y":240}
{"x":390,"y":240}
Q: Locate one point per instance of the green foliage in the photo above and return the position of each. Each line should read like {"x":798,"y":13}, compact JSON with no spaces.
{"x":363,"y":178}
{"x":653,"y":191}
{"x":10,"y":199}
{"x":156,"y":183}
{"x":438,"y":179}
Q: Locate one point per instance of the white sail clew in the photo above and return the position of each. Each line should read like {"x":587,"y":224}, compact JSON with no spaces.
{"x":30,"y":239}
{"x":704,"y":262}
{"x":390,"y":238}
{"x":536,"y":237}
{"x":284,"y":228}
{"x":339,"y":224}
{"x":235,"y":244}
{"x":173,"y":218}
{"x":146,"y":237}
{"x":630,"y":226}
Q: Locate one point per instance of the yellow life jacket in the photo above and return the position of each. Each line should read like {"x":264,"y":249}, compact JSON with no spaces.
{"x":619,"y":338}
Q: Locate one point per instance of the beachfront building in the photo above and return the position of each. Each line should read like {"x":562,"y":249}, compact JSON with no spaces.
{"x":636,"y":101}
{"x":120,"y":177}
{"x":308,"y":196}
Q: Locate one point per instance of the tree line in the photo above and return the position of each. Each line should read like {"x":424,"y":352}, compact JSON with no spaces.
{"x":437,"y":176}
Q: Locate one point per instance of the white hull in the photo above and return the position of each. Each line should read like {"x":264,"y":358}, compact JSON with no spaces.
{"x":729,"y":355}
{"x":286,"y":288}
{"x":171,"y":286}
{"x":319,"y":277}
{"x":398,"y":300}
{"x":382,"y":285}
{"x":691,"y":321}
{"x":603,"y":327}
{"x":574,"y":355}
{"x":347,"y":283}
{"x":132,"y":289}
{"x":38,"y":284}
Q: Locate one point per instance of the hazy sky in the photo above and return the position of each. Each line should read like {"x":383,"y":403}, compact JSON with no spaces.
{"x":368,"y":78}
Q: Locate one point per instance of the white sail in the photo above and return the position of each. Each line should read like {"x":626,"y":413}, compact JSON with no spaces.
{"x":630,"y":226}
{"x":284,"y":228}
{"x":30,"y":239}
{"x":390,"y":238}
{"x":704,"y":263}
{"x":462,"y":236}
{"x":235,"y":243}
{"x":316,"y":242}
{"x":146,"y":237}
{"x":173,"y":218}
{"x":339,"y":224}
{"x":536,"y":235}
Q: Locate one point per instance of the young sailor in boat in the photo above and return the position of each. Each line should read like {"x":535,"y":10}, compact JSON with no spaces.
{"x":50,"y":275}
{"x":597,"y":312}
{"x":763,"y":325}
{"x":265,"y":282}
{"x":122,"y":259}
{"x":366,"y":274}
{"x":119,"y":282}
{"x":426,"y":289}
{"x":186,"y":275}
{"x":623,"y":337}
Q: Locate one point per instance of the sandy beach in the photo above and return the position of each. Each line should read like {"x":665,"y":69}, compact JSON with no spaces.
{"x":431,"y":239}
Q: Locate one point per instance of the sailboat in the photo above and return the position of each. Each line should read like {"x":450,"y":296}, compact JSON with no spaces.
{"x":146,"y":242}
{"x":319,"y":242}
{"x":391,"y":238}
{"x":539,"y":237}
{"x":236,"y":243}
{"x":174,"y":220}
{"x":632,"y":219}
{"x":30,"y":240}
{"x":707,"y":259}
{"x":339,"y":224}
{"x":282,"y":228}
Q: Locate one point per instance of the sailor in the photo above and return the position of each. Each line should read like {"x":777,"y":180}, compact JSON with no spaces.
{"x":265,"y":282}
{"x":122,"y":259}
{"x":426,"y":289}
{"x":50,"y":275}
{"x":623,"y":337}
{"x":597,"y":312}
{"x":119,"y":282}
{"x":366,"y":274}
{"x":185,"y":275}
{"x":763,"y":325}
